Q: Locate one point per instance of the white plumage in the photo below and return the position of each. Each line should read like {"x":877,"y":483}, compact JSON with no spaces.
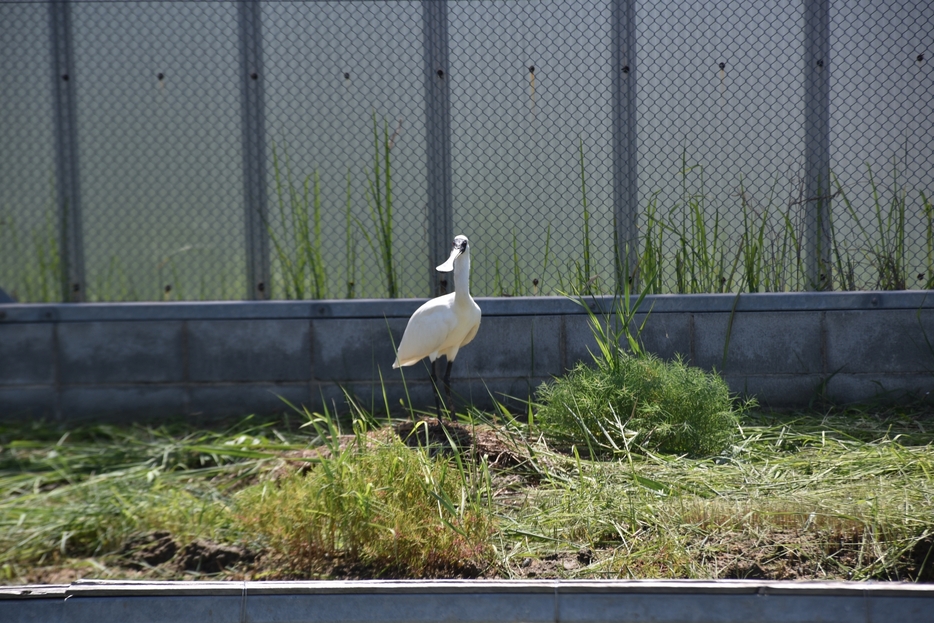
{"x":444,"y":324}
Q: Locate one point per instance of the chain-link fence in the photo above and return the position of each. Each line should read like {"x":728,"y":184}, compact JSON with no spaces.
{"x":311,"y":149}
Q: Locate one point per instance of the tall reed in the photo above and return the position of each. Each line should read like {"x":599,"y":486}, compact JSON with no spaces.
{"x":300,"y":258}
{"x":379,"y":201}
{"x":702,"y":256}
{"x":886,"y":247}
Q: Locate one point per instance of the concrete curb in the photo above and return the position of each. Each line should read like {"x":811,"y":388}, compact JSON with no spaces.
{"x":126,"y":361}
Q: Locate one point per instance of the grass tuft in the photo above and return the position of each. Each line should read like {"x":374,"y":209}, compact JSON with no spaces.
{"x":375,"y":507}
{"x":643,"y":402}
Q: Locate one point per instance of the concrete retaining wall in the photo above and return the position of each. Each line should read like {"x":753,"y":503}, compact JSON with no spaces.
{"x":462,"y":601}
{"x":138,"y":360}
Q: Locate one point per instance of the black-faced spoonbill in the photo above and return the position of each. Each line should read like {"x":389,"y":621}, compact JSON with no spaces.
{"x":444,"y":324}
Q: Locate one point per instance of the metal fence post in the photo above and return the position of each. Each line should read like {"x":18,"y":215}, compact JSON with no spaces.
{"x":817,"y":142}
{"x":253,"y":128}
{"x":67,"y":179}
{"x":625,"y":147}
{"x":438,"y":135}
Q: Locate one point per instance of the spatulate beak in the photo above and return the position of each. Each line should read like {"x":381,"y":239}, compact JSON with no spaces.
{"x":448,"y":266}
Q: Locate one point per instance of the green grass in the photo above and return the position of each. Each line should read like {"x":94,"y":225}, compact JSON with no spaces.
{"x":838,"y":494}
{"x":83,"y":492}
{"x":846,"y":495}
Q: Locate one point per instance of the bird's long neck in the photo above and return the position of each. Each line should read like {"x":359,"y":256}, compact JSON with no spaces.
{"x":462,"y":277}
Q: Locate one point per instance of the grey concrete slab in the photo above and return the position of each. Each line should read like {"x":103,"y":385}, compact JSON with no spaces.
{"x":27,"y":354}
{"x":896,"y":341}
{"x":239,"y":399}
{"x":579,"y":342}
{"x":847,"y":388}
{"x":485,"y":393}
{"x":123,"y":403}
{"x":665,"y":334}
{"x":512,"y":346}
{"x":249,"y":350}
{"x":347,"y":350}
{"x":759,"y":343}
{"x":777,"y":391}
{"x":121,"y":352}
{"x":21,"y":403}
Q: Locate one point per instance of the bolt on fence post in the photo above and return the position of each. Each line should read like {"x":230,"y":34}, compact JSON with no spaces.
{"x":67,"y":178}
{"x":817,"y":143}
{"x":253,"y":129}
{"x":625,"y":166}
{"x":438,"y":136}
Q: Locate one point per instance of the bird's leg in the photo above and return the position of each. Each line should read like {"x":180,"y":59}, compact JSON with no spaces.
{"x":447,"y":388}
{"x":436,"y":387}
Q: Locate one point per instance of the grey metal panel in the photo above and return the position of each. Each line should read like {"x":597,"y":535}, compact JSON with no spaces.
{"x":32,"y":611}
{"x":27,"y":354}
{"x":245,"y":350}
{"x":440,"y":210}
{"x":66,"y":151}
{"x":121,"y":352}
{"x":400,"y":608}
{"x":482,"y":601}
{"x":709,"y":608}
{"x":153,"y":609}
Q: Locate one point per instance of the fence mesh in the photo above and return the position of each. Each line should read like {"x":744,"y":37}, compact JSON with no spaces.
{"x":225,"y":150}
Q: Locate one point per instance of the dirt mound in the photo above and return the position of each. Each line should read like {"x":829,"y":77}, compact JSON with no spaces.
{"x":148,"y":550}
{"x":205,"y":556}
{"x":476,"y":441}
{"x":202,"y":556}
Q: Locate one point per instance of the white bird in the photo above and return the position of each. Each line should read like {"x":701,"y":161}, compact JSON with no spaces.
{"x":444,"y":324}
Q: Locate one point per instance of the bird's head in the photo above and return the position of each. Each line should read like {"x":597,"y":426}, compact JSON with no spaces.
{"x":458,"y":248}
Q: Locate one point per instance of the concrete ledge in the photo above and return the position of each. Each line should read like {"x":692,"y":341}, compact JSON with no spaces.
{"x":459,"y":601}
{"x":495,"y":306}
{"x":133,"y":360}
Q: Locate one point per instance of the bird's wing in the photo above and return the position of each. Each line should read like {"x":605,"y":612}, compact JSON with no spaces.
{"x":471,"y":334}
{"x":425,"y":333}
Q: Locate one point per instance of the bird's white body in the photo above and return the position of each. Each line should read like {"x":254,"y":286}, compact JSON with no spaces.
{"x":446,"y":323}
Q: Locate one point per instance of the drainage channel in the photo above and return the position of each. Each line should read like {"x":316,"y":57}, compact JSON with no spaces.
{"x":463,"y":601}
